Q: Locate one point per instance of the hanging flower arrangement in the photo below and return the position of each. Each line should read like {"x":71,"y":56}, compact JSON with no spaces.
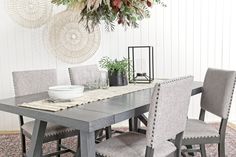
{"x":124,"y":12}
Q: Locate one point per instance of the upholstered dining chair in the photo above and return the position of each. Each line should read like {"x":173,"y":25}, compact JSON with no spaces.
{"x":81,"y":75}
{"x":32,"y":82}
{"x":167,"y":118}
{"x":218,"y":88}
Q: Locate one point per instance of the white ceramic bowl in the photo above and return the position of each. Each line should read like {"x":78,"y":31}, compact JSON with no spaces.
{"x":65,"y":92}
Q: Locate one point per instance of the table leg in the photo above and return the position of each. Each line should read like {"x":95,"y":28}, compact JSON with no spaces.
{"x":143,"y":119}
{"x":131,"y":124}
{"x":37,"y":139}
{"x":87,"y":144}
{"x":134,"y":124}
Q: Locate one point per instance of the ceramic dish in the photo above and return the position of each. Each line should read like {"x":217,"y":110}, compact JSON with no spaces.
{"x":65,"y":92}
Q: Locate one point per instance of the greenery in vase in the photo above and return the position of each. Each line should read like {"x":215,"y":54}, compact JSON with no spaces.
{"x":125,"y":12}
{"x":114,"y":65}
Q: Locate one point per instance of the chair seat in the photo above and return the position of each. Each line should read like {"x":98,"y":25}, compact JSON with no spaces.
{"x":53,"y":131}
{"x":199,"y":129}
{"x":131,"y":144}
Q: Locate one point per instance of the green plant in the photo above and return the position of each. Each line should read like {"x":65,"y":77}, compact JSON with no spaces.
{"x":124,"y":12}
{"x":114,"y":65}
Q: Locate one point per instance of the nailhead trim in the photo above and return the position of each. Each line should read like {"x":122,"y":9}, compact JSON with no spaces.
{"x":101,"y":155}
{"x":159,"y":85}
{"x":231,"y":98}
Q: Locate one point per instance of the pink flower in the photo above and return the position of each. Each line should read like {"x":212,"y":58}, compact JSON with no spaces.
{"x":117,"y":3}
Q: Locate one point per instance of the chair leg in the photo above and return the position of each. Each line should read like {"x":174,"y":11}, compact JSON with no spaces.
{"x":78,"y":141}
{"x":178,"y":144}
{"x":58,"y":147}
{"x":190,"y":147}
{"x":108,"y":132}
{"x":221,"y":149}
{"x":78,"y":147}
{"x":23,"y":145}
{"x":78,"y":151}
{"x":203,"y":150}
{"x":101,"y":132}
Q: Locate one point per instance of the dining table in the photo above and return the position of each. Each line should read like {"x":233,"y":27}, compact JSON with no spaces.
{"x":86,"y":118}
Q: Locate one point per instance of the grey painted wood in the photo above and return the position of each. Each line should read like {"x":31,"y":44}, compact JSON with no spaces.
{"x":203,"y":150}
{"x":37,"y":139}
{"x":108,"y":132}
{"x":89,"y":117}
{"x":178,"y":143}
{"x":134,"y":124}
{"x":221,"y":145}
{"x":58,"y":147}
{"x":143,"y":119}
{"x":149,"y":152}
{"x":197,"y":88}
{"x":131,"y":124}
{"x":87,"y":144}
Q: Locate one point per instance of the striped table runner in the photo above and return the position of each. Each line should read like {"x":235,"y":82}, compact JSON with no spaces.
{"x":87,"y":97}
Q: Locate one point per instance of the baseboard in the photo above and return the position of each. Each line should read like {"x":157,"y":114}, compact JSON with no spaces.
{"x":232,"y":125}
{"x":9,"y":132}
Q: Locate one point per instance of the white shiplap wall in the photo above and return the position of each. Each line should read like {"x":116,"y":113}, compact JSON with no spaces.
{"x":188,"y":36}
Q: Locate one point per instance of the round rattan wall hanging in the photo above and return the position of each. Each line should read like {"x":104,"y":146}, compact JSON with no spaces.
{"x":30,"y":13}
{"x":68,"y":39}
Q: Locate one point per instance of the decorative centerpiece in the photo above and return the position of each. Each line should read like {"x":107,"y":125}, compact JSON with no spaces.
{"x":117,"y":70}
{"x":125,"y":12}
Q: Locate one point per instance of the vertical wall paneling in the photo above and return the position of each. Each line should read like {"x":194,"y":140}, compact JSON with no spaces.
{"x":182,"y":37}
{"x":189,"y":36}
{"x":167,"y":23}
{"x":174,"y":6}
{"x":197,"y":38}
{"x":203,"y":38}
{"x":226,"y":33}
{"x":219,"y":32}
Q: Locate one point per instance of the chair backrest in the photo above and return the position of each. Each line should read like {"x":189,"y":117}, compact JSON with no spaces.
{"x":31,"y":82}
{"x":168,"y":110}
{"x":84,"y":74}
{"x":218,"y":91}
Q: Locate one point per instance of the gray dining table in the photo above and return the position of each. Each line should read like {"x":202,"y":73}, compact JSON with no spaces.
{"x":87,"y":118}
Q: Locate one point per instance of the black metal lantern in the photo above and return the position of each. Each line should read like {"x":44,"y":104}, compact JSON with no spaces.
{"x":141,"y":64}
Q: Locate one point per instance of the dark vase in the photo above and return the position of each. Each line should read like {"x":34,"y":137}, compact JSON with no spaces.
{"x":117,"y":78}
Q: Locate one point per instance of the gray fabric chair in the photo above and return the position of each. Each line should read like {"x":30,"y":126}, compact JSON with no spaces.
{"x":216,"y":98}
{"x":82,"y":75}
{"x":167,"y":118}
{"x":32,"y":82}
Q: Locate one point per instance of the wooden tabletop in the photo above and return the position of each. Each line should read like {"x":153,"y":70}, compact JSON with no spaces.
{"x":92,"y":116}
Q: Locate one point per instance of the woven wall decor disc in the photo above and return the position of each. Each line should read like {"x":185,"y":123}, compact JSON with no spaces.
{"x":30,"y":13}
{"x":68,"y":39}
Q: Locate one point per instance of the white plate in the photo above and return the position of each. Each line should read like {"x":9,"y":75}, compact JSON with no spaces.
{"x":65,"y":92}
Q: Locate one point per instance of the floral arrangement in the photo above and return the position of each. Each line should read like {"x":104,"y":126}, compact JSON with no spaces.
{"x":124,"y":12}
